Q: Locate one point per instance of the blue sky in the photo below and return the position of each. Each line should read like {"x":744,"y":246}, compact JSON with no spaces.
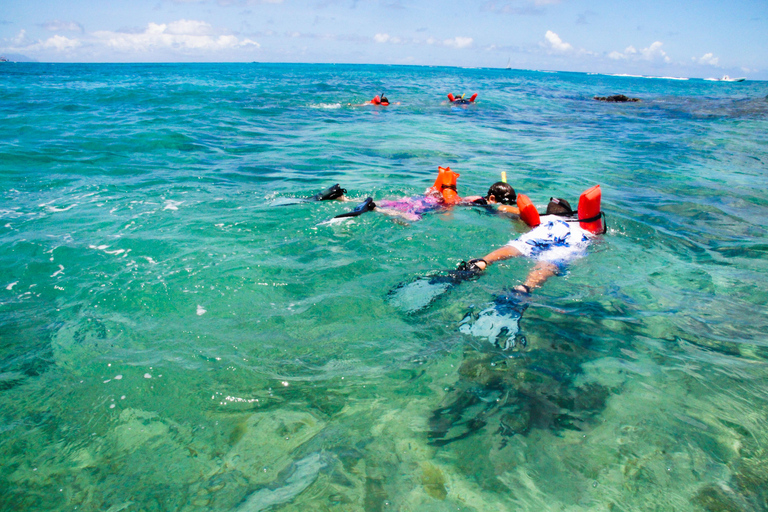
{"x":684,"y":38}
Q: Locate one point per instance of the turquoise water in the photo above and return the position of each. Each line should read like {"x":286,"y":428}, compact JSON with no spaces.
{"x":172,"y":340}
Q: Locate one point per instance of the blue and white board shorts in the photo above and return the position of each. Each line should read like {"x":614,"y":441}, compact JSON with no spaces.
{"x":554,"y":241}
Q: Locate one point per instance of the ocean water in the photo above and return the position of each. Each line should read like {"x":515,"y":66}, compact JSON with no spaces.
{"x":172,"y":338}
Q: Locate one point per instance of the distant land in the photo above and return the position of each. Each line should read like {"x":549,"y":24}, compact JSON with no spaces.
{"x":17,"y":57}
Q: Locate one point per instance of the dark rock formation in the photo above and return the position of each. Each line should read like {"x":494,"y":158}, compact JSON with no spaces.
{"x":618,"y":98}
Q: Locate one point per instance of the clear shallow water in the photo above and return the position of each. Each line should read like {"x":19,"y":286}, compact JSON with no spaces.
{"x":170,"y":340}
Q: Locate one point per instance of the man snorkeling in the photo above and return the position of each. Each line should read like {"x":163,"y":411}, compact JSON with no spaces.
{"x":552,"y":244}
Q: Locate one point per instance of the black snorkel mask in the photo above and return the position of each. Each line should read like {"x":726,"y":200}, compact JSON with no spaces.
{"x":563,"y":204}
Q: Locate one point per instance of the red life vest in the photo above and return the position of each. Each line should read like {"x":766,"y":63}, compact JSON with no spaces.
{"x":590,"y":216}
{"x":528,"y":213}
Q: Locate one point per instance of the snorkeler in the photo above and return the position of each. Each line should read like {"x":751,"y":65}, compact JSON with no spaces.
{"x":501,"y":194}
{"x":461,"y":100}
{"x":378,"y":100}
{"x":557,"y":239}
{"x":441,"y":194}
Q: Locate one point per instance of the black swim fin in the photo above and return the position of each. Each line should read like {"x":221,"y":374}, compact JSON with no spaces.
{"x":418,"y":294}
{"x":360,"y":209}
{"x":332,"y":192}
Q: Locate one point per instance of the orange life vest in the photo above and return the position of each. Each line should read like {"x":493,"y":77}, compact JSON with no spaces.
{"x":528,"y":213}
{"x":590,"y":216}
{"x":446,"y":185}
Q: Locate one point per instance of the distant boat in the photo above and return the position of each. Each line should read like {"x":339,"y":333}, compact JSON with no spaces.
{"x":726,"y":78}
{"x":509,"y":64}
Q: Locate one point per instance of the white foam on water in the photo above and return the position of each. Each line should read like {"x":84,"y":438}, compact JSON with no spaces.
{"x":55,"y":209}
{"x":172,"y":205}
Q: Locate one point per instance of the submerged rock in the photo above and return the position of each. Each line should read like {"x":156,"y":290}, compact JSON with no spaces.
{"x":301,"y":475}
{"x":264,"y":442}
{"x":617,"y":98}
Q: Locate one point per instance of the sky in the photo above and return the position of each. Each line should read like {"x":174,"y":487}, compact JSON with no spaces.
{"x":676,"y":38}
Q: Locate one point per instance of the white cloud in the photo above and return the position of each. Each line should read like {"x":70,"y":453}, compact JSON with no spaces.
{"x":456,"y":42}
{"x":60,"y":43}
{"x":709,"y":59}
{"x":61,"y":26}
{"x":190,"y":37}
{"x":57,"y":43}
{"x":20,"y":39}
{"x":459,"y":42}
{"x":177,"y":35}
{"x":653,"y":53}
{"x":557,"y":44}
{"x":386,"y":38}
{"x":189,"y":28}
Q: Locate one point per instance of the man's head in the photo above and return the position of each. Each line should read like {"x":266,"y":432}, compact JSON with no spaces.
{"x":501,"y":192}
{"x":558,"y":206}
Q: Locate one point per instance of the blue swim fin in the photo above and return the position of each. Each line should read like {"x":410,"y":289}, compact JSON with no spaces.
{"x":499,"y":322}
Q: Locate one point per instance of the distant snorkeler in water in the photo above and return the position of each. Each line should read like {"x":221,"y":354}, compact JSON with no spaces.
{"x":378,"y":100}
{"x":461,"y":100}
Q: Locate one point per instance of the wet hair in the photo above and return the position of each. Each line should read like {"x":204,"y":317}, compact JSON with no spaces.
{"x":503,"y":193}
{"x":384,"y":99}
{"x":558,"y":206}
